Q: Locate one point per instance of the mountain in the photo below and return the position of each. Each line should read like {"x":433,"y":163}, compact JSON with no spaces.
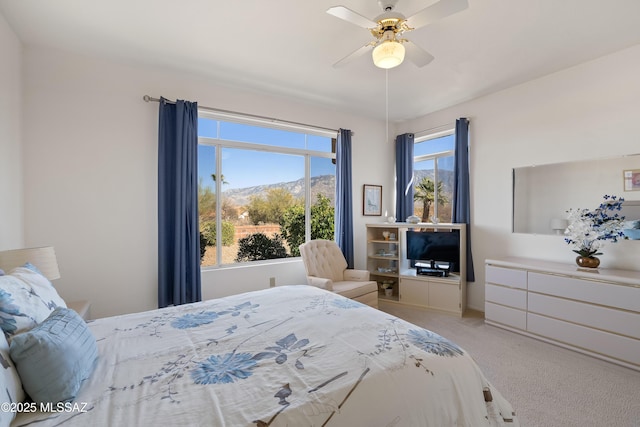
{"x":324,"y":184}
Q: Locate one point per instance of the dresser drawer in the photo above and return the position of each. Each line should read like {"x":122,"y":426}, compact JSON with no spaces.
{"x":516,"y":298}
{"x":506,"y":277}
{"x":616,"y":321}
{"x":618,"y":296}
{"x":505,"y":315}
{"x":615,"y":346}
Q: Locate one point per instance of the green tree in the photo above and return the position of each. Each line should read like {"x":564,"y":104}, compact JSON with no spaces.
{"x":206,"y":202}
{"x":214,"y":177}
{"x":259,"y":246}
{"x":424,"y":192}
{"x":270,"y":209}
{"x":208,"y":230}
{"x":292,"y":228}
{"x":322,"y":223}
{"x":322,"y":219}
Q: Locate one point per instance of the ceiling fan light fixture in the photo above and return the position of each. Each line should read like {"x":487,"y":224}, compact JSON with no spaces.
{"x":388,"y":54}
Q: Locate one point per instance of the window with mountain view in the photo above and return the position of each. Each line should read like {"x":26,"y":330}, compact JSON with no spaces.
{"x":268,"y":190}
{"x":433,"y":177}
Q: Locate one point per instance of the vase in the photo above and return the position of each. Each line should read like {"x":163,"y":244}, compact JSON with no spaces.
{"x":587,"y":261}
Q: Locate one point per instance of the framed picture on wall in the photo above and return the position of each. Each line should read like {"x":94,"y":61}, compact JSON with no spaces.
{"x":372,"y":200}
{"x":631,"y":180}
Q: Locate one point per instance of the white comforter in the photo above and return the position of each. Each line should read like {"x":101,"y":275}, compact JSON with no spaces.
{"x":287,"y":356}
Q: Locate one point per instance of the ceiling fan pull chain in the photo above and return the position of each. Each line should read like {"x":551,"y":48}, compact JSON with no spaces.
{"x":386,"y":98}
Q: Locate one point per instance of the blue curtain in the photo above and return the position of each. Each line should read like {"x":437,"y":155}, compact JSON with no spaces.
{"x":461,"y":190}
{"x":178,"y":230}
{"x":404,"y":176}
{"x":344,"y":196}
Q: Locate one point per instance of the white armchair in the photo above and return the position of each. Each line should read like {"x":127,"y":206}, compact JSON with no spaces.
{"x":326,"y":268}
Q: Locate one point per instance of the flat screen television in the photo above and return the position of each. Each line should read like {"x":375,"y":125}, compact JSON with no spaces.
{"x":439,"y":246}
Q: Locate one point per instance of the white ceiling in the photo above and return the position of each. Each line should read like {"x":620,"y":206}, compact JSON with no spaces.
{"x":287,"y":47}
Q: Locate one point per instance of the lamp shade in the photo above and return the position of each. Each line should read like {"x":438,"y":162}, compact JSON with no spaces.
{"x":559,"y":224}
{"x":388,"y":54}
{"x":44,"y":259}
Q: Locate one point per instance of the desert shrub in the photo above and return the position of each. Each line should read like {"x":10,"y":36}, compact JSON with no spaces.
{"x":269,"y":208}
{"x":259,"y":246}
{"x":203,"y":245}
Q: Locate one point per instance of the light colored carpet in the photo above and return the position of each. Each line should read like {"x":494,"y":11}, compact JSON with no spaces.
{"x":547,"y":385}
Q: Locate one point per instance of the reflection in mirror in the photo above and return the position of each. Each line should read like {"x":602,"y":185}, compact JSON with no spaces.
{"x":543,"y":194}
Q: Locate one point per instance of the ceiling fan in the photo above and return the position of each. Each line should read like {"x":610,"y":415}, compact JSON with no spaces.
{"x":389,"y":28}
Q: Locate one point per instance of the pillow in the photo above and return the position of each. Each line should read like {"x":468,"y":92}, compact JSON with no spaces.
{"x":26,"y":299}
{"x":55,"y":357}
{"x":10,"y":385}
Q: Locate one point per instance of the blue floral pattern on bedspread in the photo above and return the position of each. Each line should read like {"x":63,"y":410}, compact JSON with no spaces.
{"x":193,"y":320}
{"x":288,"y":356}
{"x":433,"y":343}
{"x":224,"y":369}
{"x":347,"y":303}
{"x":156,"y":324}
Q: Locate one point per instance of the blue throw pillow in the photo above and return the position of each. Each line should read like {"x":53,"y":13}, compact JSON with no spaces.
{"x":55,"y":357}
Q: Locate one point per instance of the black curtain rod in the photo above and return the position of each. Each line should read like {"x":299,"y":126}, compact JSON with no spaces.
{"x":148,"y":98}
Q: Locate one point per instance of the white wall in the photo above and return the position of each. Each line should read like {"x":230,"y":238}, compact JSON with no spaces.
{"x":91,"y":184}
{"x":11,"y":206}
{"x":584,"y":112}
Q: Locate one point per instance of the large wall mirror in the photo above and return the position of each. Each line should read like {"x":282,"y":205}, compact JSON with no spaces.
{"x":542,"y":194}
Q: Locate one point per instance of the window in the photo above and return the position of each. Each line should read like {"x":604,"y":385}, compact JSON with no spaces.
{"x":267,"y":188}
{"x":433,"y":177}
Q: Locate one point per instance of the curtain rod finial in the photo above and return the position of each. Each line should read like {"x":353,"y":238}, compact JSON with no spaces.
{"x":146,"y":98}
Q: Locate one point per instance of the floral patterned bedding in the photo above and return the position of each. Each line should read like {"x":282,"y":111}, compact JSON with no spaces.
{"x":286,"y":356}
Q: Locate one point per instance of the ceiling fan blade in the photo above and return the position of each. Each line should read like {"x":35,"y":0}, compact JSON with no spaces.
{"x":417,"y":55}
{"x":353,"y":55}
{"x":436,"y":12}
{"x":351,"y":16}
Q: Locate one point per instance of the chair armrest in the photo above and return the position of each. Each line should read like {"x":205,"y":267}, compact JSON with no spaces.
{"x":319,"y":282}
{"x":356,"y":275}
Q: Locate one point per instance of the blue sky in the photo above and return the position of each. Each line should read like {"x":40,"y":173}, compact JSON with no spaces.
{"x":247,"y":168}
{"x":436,"y":145}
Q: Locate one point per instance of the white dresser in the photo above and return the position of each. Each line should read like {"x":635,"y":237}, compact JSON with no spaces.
{"x":596,"y":312}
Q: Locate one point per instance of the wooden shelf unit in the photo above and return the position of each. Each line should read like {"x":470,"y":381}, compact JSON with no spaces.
{"x":439,"y":293}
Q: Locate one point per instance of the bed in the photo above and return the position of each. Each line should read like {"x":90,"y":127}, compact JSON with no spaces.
{"x":285,"y":356}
